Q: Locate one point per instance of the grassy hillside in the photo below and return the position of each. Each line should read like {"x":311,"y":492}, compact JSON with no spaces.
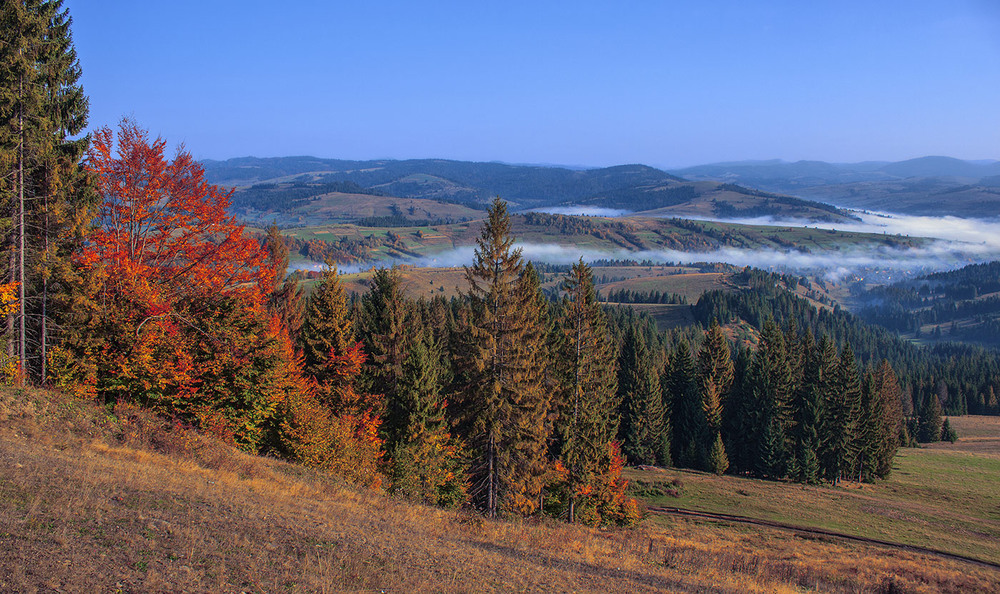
{"x":945,"y":496}
{"x":300,"y":205}
{"x":93,"y":499}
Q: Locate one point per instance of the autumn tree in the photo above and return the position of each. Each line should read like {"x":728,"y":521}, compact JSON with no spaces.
{"x":286,"y":299}
{"x":172,"y":307}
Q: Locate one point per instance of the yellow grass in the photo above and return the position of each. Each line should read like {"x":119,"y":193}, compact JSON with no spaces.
{"x":80,"y":511}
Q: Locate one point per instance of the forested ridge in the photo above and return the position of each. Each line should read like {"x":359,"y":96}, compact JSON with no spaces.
{"x":959,"y":305}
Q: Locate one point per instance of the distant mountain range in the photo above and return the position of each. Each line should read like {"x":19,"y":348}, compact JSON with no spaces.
{"x":273,"y":184}
{"x":924,"y":186}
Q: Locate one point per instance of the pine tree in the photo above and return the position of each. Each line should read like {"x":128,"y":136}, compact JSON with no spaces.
{"x":587,"y":400}
{"x":504,"y":406}
{"x":327,"y":327}
{"x":644,"y":429}
{"x":687,"y":414}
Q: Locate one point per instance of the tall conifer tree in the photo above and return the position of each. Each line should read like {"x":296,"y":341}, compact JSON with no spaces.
{"x":504,"y":406}
{"x":715,"y":378}
{"x":587,"y":400}
{"x":840,"y":418}
{"x":42,"y":107}
{"x":689,"y":442}
{"x":645,"y":429}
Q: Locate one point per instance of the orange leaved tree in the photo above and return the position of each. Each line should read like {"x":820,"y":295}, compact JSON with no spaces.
{"x":172,"y":311}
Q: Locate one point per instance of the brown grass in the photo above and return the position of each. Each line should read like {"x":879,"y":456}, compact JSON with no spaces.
{"x":91,"y":503}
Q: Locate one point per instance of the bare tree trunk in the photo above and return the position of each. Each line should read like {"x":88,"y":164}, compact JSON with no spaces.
{"x":22,"y":350}
{"x":491,"y":482}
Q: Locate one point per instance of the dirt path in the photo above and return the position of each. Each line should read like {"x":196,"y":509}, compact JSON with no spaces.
{"x":690,"y":513}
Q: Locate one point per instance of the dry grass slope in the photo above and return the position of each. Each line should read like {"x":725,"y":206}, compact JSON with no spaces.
{"x":99,"y":500}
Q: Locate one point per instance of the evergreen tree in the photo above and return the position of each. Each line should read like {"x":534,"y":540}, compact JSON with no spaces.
{"x":771,"y":383}
{"x":866,"y":431}
{"x":930,"y":420}
{"x":841,"y":415}
{"x":644,"y":430}
{"x":687,"y":415}
{"x":425,"y":459}
{"x":383,"y":329}
{"x":715,"y":378}
{"x":587,"y":401}
{"x":888,"y":419}
{"x":718,"y":462}
{"x":45,"y":205}
{"x":327,"y":326}
{"x":504,"y":406}
{"x":804,"y":462}
{"x":739,"y":416}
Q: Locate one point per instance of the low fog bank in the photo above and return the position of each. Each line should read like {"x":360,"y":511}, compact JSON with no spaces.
{"x":985,"y":232}
{"x":959,"y":242}
{"x":582,"y":211}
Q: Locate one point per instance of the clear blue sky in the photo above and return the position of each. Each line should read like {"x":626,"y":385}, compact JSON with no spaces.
{"x":587,"y":83}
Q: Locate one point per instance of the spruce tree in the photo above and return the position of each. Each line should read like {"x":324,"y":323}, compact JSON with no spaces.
{"x":504,"y":406}
{"x":739,"y":416}
{"x":383,"y":329}
{"x":888,"y":421}
{"x":687,"y":414}
{"x":327,"y":328}
{"x":44,"y":200}
{"x":425,"y":459}
{"x":770,"y":380}
{"x":644,"y":430}
{"x":841,"y":416}
{"x":930,"y":420}
{"x":587,"y":398}
{"x":715,"y":378}
{"x":804,"y":449}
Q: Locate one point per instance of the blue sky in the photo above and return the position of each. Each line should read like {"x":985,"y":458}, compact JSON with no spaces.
{"x":583,"y":83}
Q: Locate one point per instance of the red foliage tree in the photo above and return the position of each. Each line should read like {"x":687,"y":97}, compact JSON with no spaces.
{"x":173,"y":308}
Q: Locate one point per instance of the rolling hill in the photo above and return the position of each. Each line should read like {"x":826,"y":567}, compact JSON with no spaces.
{"x":276,"y":187}
{"x":923,"y":186}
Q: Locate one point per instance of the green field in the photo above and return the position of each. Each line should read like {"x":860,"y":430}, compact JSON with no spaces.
{"x":945,"y":497}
